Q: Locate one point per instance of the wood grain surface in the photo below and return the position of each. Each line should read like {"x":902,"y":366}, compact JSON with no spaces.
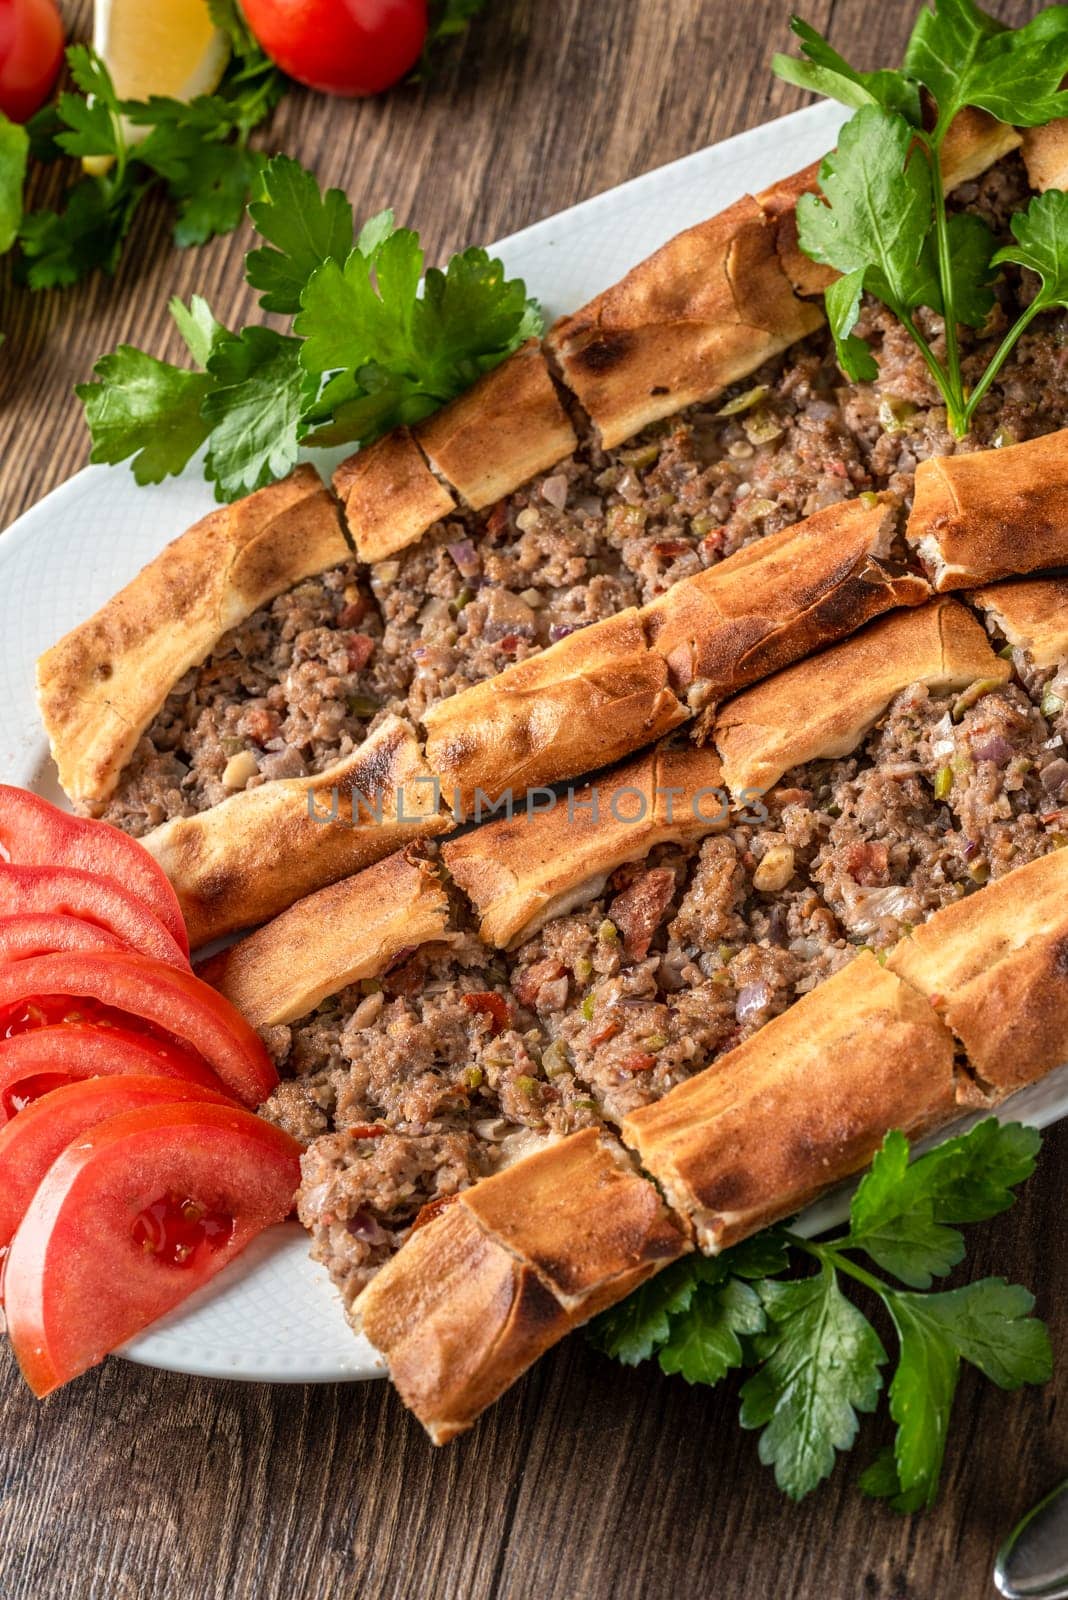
{"x":588,"y":1480}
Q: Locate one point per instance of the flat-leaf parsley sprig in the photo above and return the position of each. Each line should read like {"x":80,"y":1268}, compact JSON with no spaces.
{"x":198,"y":151}
{"x":376,"y":342}
{"x":818,"y":1360}
{"x":881,"y":219}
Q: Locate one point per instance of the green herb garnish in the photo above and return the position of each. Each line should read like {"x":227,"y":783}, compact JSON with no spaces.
{"x":197,"y":150}
{"x":374,"y":344}
{"x":882,"y":220}
{"x":818,"y":1360}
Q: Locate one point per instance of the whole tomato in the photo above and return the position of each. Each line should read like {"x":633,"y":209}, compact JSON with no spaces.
{"x":31,"y":50}
{"x":346,"y":47}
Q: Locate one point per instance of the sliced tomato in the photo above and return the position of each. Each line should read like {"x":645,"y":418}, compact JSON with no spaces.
{"x":95,"y":899}
{"x":131,"y":1219}
{"x":43,"y":933}
{"x":36,"y":834}
{"x":139,"y":992}
{"x":34,"y":1063}
{"x":29,"y":1145}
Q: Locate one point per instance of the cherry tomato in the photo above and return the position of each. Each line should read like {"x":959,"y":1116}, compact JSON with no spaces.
{"x":164,"y":997}
{"x":131,"y":1219}
{"x":42,"y":933}
{"x":346,"y":47}
{"x":36,"y":834}
{"x":30,"y":1144}
{"x":99,"y":901}
{"x":34,"y":1063}
{"x":31,"y":50}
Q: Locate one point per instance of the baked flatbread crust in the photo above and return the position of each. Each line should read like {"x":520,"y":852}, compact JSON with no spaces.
{"x":351,"y":930}
{"x":501,"y":433}
{"x":995,"y":966}
{"x":825,"y":706}
{"x":255,"y":854}
{"x":704,"y":311}
{"x":511,"y":1266}
{"x":992,"y":513}
{"x":519,"y":873}
{"x":974,"y":141}
{"x":101,"y":686}
{"x":1045,"y":153}
{"x":390,"y":495}
{"x":801,"y":1105}
{"x":779,"y":599}
{"x":589,"y":700}
{"x":779,"y":205}
{"x":1032,"y":615}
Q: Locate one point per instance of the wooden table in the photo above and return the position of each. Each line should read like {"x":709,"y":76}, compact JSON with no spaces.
{"x":588,"y":1480}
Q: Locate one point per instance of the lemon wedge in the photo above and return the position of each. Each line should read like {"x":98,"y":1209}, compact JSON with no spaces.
{"x":166,"y":47}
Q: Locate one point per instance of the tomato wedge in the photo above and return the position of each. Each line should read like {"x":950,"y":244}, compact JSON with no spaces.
{"x":74,"y":893}
{"x":33,"y":1064}
{"x":130,"y":1220}
{"x":36,"y":834}
{"x":42,"y":933}
{"x":171,"y":999}
{"x":30,"y":1144}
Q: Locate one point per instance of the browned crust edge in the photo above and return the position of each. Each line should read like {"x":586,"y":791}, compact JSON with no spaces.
{"x":823,"y":707}
{"x":100,"y":687}
{"x":249,"y":858}
{"x":348,"y":931}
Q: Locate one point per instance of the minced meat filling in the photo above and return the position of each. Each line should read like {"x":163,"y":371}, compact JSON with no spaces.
{"x":463,"y":1059}
{"x":301,"y":682}
{"x":294,"y":688}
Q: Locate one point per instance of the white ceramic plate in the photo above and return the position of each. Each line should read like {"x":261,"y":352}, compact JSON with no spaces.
{"x":273,"y":1316}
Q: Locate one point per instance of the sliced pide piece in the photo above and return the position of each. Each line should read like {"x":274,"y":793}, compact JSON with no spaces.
{"x":100,"y":687}
{"x":390,"y":495}
{"x":520,"y":872}
{"x":507,"y":1269}
{"x":779,"y":599}
{"x":824,"y":707}
{"x":501,"y":433}
{"x":253,"y":856}
{"x":995,"y":967}
{"x":992,"y":513}
{"x":583,"y":703}
{"x":1032,"y":615}
{"x":801,"y":1105}
{"x":705,"y":310}
{"x":351,"y":930}
{"x":1045,"y":153}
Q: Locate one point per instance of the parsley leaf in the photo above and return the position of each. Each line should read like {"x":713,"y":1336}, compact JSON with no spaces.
{"x":706,"y":1344}
{"x":14,"y":148}
{"x":826,"y":72}
{"x":147,"y":409}
{"x":640,"y":1324}
{"x":821,"y":1360}
{"x":967,"y":58}
{"x":1041,"y":234}
{"x":304,"y":228}
{"x":253,"y":410}
{"x":899,"y":1212}
{"x":877,"y":208}
{"x":393,"y":354}
{"x":988,"y":1323}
